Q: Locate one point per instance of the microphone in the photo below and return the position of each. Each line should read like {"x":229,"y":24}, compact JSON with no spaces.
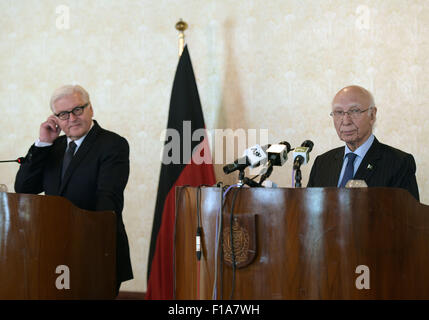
{"x":20,"y":160}
{"x":301,"y":155}
{"x":277,"y":156}
{"x":252,"y":157}
{"x":277,"y":153}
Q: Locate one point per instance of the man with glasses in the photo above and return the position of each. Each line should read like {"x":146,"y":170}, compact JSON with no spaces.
{"x":363,"y":157}
{"x":88,"y":165}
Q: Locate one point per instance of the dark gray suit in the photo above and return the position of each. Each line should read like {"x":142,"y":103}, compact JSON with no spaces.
{"x":382,"y":166}
{"x":94,"y":180}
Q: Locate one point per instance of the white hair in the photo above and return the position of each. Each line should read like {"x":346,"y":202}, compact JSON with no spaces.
{"x":68,"y":90}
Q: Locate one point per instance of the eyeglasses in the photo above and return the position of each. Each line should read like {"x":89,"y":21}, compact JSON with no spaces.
{"x":77,"y":111}
{"x":353,"y":113}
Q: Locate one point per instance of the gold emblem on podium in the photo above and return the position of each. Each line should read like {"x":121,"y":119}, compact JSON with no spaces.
{"x":244,"y":240}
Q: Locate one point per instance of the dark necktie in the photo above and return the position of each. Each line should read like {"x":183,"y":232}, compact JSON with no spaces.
{"x":349,"y":172}
{"x":68,"y":156}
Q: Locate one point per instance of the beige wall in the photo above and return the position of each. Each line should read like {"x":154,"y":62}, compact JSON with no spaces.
{"x":259,"y":65}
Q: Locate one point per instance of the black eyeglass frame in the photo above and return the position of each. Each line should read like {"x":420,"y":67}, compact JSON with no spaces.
{"x":77,"y":111}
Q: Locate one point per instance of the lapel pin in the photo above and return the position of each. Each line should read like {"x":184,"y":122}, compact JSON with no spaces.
{"x":369,"y":167}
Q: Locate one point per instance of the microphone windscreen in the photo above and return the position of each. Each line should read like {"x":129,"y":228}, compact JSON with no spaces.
{"x":229,"y":168}
{"x":309,"y":144}
{"x":288,"y":147}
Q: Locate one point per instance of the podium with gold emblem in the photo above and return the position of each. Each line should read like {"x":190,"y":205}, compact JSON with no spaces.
{"x":314,"y":243}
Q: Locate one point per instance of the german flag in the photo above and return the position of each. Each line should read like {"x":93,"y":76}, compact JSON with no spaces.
{"x":186,"y":161}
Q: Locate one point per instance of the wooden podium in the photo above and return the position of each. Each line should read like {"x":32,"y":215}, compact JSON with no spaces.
{"x":314,"y":243}
{"x":50,"y":249}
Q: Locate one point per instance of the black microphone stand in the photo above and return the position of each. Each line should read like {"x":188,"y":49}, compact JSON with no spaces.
{"x":244,"y":180}
{"x":19,"y":160}
{"x":297,"y":167}
{"x":267,"y":173}
{"x":298,"y":177}
{"x":251,"y":183}
{"x":240,"y":177}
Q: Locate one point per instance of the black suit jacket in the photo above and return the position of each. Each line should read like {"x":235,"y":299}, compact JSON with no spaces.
{"x":382,"y":166}
{"x":94,"y":180}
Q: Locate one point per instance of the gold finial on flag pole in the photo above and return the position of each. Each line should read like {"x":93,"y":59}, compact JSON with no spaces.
{"x":181,"y":26}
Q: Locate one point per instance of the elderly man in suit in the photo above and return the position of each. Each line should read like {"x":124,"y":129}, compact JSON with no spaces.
{"x":363,"y":157}
{"x":88,"y":165}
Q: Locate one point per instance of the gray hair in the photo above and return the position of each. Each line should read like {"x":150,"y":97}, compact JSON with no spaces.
{"x":68,"y":90}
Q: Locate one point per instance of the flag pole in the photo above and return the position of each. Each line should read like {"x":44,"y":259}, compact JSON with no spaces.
{"x":181,"y":26}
